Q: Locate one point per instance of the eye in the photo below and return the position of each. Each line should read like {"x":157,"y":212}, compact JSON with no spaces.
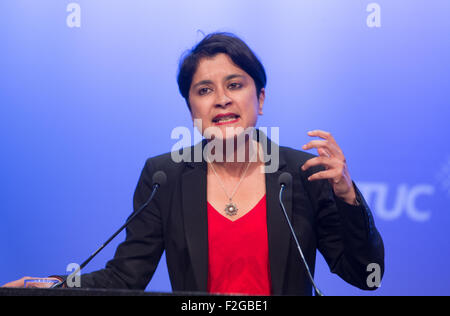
{"x":203,"y":91}
{"x":234,"y":85}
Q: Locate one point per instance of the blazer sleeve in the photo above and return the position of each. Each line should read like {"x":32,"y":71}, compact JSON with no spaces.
{"x":137,"y":257}
{"x":347,"y":236}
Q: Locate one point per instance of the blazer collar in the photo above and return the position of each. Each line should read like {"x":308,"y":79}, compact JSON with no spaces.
{"x":194,"y":199}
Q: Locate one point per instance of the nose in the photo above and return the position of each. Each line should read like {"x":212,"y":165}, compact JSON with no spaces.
{"x":222,"y":100}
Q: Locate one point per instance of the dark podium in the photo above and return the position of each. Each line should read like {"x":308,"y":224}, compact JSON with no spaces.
{"x":85,"y":292}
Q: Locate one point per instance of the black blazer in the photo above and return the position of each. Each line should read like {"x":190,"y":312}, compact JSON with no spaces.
{"x":176,"y":222}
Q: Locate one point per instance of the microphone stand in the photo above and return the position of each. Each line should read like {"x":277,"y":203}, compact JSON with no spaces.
{"x":319,"y":293}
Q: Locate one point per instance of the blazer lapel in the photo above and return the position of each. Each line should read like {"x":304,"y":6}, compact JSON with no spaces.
{"x":279,"y":237}
{"x":196,"y":221}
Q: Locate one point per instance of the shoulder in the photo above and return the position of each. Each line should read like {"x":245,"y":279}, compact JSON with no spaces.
{"x":164,"y":162}
{"x":174,"y":163}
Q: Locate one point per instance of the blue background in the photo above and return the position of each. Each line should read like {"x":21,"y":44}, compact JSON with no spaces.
{"x":82,"y":108}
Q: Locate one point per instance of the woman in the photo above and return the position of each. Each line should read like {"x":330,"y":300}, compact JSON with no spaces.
{"x":219,"y":219}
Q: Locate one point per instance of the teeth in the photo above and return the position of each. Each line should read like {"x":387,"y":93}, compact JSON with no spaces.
{"x":226,"y":119}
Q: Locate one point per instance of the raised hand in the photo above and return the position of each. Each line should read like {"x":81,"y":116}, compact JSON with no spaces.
{"x":333,"y":160}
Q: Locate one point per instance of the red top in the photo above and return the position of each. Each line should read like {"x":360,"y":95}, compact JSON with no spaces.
{"x":239,"y":253}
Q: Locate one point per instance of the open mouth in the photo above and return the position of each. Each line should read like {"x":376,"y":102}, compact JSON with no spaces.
{"x":227,"y":118}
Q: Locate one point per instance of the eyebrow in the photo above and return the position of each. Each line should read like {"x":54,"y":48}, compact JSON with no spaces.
{"x":229,"y":77}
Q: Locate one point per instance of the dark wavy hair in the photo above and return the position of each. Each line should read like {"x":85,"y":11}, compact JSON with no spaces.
{"x":213,"y":44}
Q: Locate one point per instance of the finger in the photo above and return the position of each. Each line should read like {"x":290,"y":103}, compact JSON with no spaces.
{"x":318,"y":161}
{"x":12,"y":284}
{"x":327,"y":174}
{"x":323,"y":152}
{"x":17,"y":283}
{"x":315,"y":144}
{"x":41,"y":282}
{"x":41,"y":285}
{"x":320,"y":133}
{"x":331,"y":149}
{"x":324,"y":135}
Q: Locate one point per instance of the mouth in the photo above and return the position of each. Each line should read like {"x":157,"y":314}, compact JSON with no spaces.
{"x":227,"y":118}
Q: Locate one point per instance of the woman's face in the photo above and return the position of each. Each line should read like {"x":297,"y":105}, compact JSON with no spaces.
{"x":223,"y":95}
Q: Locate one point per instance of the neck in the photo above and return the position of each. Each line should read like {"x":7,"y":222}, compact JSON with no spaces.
{"x":236,"y":160}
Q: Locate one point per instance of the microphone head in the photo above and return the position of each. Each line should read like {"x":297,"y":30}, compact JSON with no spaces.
{"x":285,"y":179}
{"x":159,"y":178}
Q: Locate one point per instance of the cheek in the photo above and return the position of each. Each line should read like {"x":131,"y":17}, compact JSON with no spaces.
{"x":198,"y":108}
{"x":251,"y":104}
{"x":199,"y":115}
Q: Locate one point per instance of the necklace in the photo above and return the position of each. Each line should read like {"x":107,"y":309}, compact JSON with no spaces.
{"x":231,"y":208}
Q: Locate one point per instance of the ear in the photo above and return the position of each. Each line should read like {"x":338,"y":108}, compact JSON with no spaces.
{"x":262,"y":97}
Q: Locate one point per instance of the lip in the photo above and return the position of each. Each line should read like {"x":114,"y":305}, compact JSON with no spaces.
{"x":224,"y":115}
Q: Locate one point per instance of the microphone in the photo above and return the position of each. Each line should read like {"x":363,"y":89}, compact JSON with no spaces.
{"x":285,"y":180}
{"x":159,"y":179}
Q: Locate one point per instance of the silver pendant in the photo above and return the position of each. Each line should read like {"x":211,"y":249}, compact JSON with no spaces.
{"x":231,"y":209}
